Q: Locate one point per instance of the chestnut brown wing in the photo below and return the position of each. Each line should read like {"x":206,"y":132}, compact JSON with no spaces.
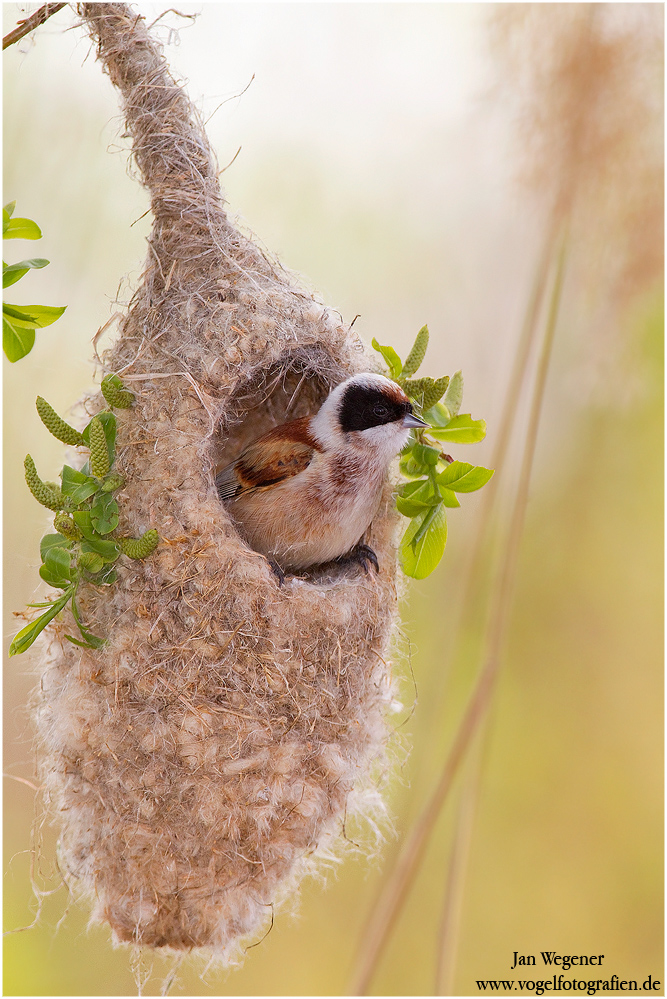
{"x":277,"y":455}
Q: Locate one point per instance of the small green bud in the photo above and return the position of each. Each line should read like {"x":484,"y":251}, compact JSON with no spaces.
{"x":140,"y":547}
{"x":115,"y":392}
{"x":55,"y":425}
{"x":99,"y":453}
{"x":49,"y":497}
{"x":112,"y":482}
{"x":65,"y":525}
{"x":417,"y":354}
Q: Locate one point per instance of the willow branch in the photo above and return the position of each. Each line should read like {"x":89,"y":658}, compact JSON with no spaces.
{"x":24,"y":28}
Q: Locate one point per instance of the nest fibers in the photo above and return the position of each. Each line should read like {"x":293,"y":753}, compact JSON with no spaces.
{"x":211,"y":747}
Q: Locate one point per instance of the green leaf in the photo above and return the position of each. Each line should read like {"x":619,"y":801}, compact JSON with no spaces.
{"x":57,"y":561}
{"x":464,"y":478}
{"x":90,"y":561}
{"x":109,"y":551}
{"x":51,"y":541}
{"x":17,"y":317}
{"x":454,"y":394}
{"x":108,"y":421}
{"x":410,"y":467}
{"x":77,"y":484}
{"x":438,"y":415}
{"x":448,"y":497}
{"x":419,"y":488}
{"x":83,"y":521}
{"x":34,"y":315}
{"x":426,"y":455}
{"x":460,"y":430}
{"x":27,"y":635}
{"x":423,"y":543}
{"x":77,"y":641}
{"x":104,"y":513}
{"x":390,"y":356}
{"x":8,"y":210}
{"x":107,"y":576}
{"x":61,"y":582}
{"x":415,"y":497}
{"x":92,"y":641}
{"x":11,"y":273}
{"x":17,"y":341}
{"x":21,"y":229}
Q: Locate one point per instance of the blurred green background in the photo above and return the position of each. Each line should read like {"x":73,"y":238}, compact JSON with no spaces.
{"x":378,"y":159}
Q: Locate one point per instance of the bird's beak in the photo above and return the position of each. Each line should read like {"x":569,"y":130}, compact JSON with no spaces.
{"x":411,"y":421}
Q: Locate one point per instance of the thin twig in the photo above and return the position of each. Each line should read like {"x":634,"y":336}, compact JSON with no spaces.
{"x":388,"y":907}
{"x":24,"y":28}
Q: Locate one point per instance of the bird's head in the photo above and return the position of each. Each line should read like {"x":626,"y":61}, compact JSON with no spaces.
{"x":366,"y":412}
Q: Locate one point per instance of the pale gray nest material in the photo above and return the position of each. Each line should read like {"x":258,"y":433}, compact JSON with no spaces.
{"x":211,"y":747}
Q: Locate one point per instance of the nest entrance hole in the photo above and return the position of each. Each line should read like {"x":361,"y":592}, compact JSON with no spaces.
{"x":294,"y":386}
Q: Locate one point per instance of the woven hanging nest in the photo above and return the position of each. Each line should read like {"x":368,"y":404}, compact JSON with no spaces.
{"x":198,"y":760}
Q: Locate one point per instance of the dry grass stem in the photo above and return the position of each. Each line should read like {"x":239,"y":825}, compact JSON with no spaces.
{"x":24,"y":27}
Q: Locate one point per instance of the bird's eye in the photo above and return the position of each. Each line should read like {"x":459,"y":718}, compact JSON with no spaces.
{"x":380,"y":411}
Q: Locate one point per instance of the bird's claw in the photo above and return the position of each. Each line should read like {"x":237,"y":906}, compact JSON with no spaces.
{"x":363,"y":555}
{"x":277,"y":572}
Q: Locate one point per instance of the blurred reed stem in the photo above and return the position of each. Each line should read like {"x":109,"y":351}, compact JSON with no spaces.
{"x":453,"y":896}
{"x":450,"y":921}
{"x":475,"y":569}
{"x":395,"y":891}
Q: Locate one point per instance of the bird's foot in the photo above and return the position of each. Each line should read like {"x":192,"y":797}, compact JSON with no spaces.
{"x":363,"y":555}
{"x":277,"y":571}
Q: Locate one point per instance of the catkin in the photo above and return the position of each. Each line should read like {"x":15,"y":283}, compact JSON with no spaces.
{"x":99,"y":452}
{"x":426,"y":391}
{"x":47,"y":495}
{"x":417,"y":354}
{"x":56,"y":425}
{"x":435,"y":391}
{"x":140,"y":547}
{"x":115,"y":394}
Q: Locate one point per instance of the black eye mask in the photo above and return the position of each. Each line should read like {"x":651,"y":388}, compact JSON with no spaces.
{"x":364,"y":407}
